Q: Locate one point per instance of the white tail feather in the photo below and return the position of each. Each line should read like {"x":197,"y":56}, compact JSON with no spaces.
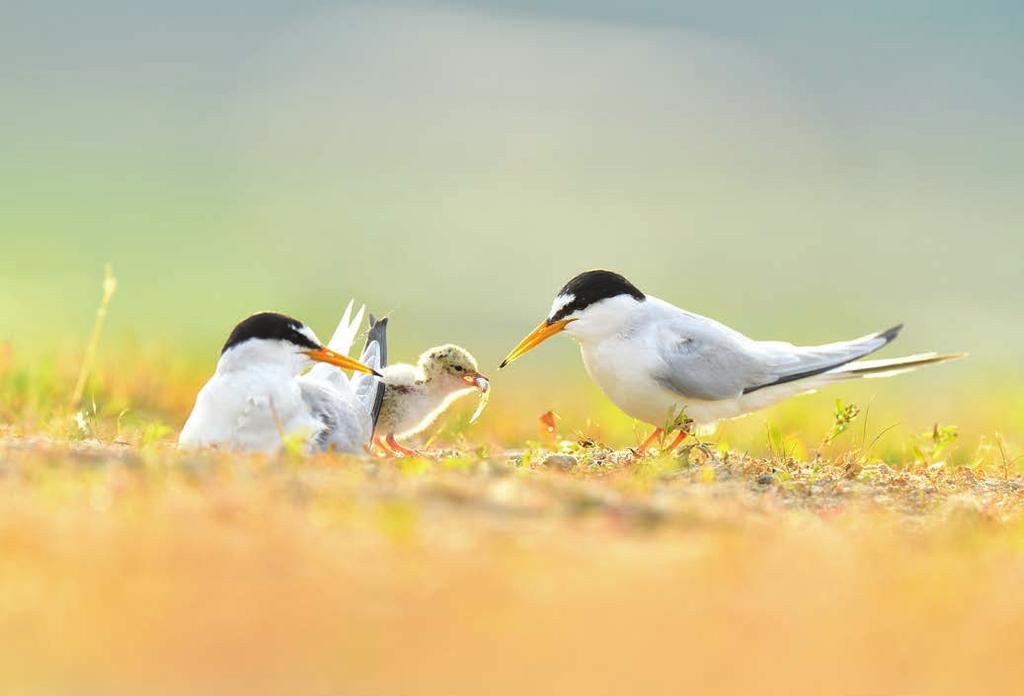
{"x":348,"y":327}
{"x":887,"y":367}
{"x":341,"y":342}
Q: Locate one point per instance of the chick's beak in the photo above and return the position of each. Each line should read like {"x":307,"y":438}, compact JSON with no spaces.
{"x":542,"y":333}
{"x":326,"y":355}
{"x":479,"y":381}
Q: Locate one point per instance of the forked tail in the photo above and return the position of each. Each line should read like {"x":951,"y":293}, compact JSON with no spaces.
{"x":887,"y":367}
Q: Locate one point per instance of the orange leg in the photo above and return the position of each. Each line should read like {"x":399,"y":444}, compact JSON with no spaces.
{"x":381,"y":450}
{"x":651,"y":439}
{"x":398,"y":449}
{"x":679,"y":439}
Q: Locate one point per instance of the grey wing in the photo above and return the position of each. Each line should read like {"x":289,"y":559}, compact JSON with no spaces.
{"x":369,"y":390}
{"x":795,"y":363}
{"x":701,"y":359}
{"x":324,"y":406}
{"x":346,"y":427}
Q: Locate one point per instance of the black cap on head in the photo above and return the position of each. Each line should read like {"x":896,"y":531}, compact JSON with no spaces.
{"x":270,"y":325}
{"x":593,"y":286}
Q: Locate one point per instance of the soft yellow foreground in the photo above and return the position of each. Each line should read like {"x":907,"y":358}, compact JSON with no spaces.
{"x":129,"y":570}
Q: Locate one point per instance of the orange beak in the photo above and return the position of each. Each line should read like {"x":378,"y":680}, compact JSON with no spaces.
{"x":536,"y":337}
{"x":326,"y":355}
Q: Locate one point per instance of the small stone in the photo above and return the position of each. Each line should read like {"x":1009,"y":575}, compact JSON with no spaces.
{"x":565,"y":462}
{"x":764,"y":479}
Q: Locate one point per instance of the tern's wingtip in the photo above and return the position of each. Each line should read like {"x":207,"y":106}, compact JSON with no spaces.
{"x":891,"y":333}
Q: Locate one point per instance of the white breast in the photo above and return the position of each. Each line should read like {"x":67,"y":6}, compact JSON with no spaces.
{"x":247,"y":411}
{"x":622,"y":365}
{"x":619,"y":368}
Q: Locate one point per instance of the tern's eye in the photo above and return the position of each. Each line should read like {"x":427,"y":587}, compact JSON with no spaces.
{"x":458,"y":368}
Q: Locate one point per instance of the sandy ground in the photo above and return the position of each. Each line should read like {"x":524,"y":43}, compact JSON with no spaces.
{"x":145,"y":571}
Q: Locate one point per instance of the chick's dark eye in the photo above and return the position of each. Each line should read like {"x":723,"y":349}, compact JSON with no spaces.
{"x":458,"y":368}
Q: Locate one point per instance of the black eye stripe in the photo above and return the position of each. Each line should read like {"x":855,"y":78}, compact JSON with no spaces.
{"x":303,"y":340}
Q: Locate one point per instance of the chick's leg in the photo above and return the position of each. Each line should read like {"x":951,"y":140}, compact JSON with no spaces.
{"x":377,"y":447}
{"x":398,"y":449}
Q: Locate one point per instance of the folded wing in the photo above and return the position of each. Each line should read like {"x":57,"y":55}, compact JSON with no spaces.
{"x":347,"y":408}
{"x":699,"y":358}
{"x":368,"y":389}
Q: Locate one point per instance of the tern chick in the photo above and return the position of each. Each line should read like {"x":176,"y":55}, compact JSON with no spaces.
{"x":414,"y":396}
{"x":653,"y":359}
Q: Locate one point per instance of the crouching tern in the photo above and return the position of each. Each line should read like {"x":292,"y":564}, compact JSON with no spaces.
{"x":653,"y":359}
{"x":258,"y":398}
{"x":415,"y":395}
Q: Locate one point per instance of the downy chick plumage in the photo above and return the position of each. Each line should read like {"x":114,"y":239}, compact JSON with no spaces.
{"x":416,"y":395}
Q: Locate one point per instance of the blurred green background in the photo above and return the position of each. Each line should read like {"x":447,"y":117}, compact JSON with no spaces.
{"x":801,"y":170}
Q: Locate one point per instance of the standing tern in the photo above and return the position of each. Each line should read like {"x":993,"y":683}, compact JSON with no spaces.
{"x":257,"y":399}
{"x":414,"y":396}
{"x":653,"y":359}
